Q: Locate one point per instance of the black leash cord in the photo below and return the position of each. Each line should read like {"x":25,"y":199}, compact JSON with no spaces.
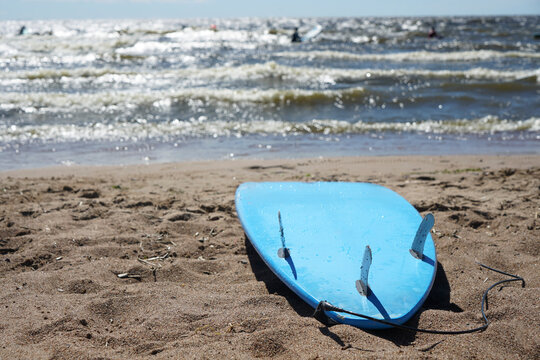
{"x":326,"y":306}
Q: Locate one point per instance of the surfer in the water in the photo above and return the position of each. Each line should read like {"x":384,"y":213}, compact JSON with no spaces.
{"x":432,"y":33}
{"x":295,"y":36}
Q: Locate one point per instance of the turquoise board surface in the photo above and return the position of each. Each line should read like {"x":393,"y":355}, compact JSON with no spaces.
{"x":326,"y":228}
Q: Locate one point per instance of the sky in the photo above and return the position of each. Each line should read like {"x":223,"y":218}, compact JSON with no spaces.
{"x":127,"y":9}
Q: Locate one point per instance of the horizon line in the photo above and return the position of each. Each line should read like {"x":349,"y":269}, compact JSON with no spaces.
{"x":272,"y":17}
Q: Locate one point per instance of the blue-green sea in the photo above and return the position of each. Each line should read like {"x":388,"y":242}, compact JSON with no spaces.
{"x":146,"y":91}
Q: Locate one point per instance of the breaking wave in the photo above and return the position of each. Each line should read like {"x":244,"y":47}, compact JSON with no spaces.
{"x":413,"y":55}
{"x":111,"y":100}
{"x":269,"y":70}
{"x":203,"y":127}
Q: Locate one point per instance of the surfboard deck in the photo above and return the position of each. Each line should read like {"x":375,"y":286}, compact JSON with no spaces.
{"x":325,"y":228}
{"x":316,"y":30}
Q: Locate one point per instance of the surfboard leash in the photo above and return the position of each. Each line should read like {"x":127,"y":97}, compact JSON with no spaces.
{"x":326,"y":306}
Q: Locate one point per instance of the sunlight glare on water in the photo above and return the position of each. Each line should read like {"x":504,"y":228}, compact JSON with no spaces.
{"x":172,"y":90}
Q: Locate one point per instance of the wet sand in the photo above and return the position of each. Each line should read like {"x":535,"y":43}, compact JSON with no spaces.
{"x":151,"y":262}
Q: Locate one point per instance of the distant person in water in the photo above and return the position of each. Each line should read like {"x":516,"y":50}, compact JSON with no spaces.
{"x":432,"y":33}
{"x":22,"y":30}
{"x":295,"y":36}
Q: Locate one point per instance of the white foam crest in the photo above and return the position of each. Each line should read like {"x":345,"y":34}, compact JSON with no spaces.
{"x":267,"y":70}
{"x":143,"y":48}
{"x":146,"y":48}
{"x":190,"y":34}
{"x":6,"y":50}
{"x":61,"y":46}
{"x":233,"y":38}
{"x":99,"y":100}
{"x":413,"y":55}
{"x":62,"y":60}
{"x":487,"y":124}
{"x":310,"y":74}
{"x":86,"y":72}
{"x":203,"y":127}
{"x":189,"y":39}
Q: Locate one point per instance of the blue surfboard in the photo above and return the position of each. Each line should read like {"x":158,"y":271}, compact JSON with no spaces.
{"x":359,"y":246}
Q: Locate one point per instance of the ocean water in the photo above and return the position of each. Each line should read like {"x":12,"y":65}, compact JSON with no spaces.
{"x":144,"y":91}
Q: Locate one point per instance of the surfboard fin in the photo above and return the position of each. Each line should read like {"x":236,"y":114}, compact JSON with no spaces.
{"x":417,"y":248}
{"x":283,"y":252}
{"x":362,"y":284}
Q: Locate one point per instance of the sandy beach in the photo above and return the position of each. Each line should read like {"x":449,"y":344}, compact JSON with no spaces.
{"x":151,"y":261}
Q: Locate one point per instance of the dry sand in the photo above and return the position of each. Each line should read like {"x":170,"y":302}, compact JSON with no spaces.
{"x":66,"y":233}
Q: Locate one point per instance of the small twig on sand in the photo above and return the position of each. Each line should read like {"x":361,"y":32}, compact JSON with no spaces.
{"x":162,"y":257}
{"x":147,"y":262}
{"x":27,"y":228}
{"x":129,"y":276}
{"x":430,"y":347}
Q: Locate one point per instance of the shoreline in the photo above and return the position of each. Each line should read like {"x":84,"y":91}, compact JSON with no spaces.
{"x":376,"y":161}
{"x":263,"y":148}
{"x":196,"y":287}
